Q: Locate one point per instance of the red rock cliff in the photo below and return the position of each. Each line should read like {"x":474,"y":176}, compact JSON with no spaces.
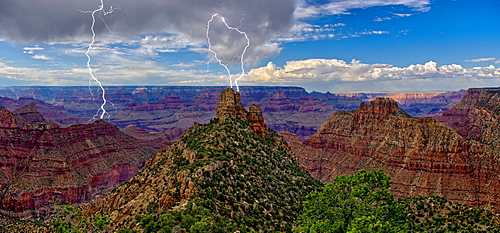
{"x":477,"y":116}
{"x":424,"y":156}
{"x":40,"y":161}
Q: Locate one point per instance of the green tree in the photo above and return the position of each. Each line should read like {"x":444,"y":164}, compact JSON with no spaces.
{"x":357,"y":203}
{"x":193,"y":219}
{"x":69,"y":218}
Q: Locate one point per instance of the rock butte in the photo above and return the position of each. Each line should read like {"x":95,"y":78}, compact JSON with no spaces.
{"x":230,"y":105}
{"x":422,"y":155}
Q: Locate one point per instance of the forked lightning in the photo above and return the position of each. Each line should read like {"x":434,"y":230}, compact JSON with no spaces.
{"x":241,"y":56}
{"x":101,"y":110}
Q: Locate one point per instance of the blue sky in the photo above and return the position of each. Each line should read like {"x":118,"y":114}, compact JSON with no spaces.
{"x":336,"y":46}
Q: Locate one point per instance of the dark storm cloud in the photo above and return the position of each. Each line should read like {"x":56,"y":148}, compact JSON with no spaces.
{"x":57,"y":20}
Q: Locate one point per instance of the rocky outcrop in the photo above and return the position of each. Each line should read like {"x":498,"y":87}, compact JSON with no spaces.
{"x":40,"y":161}
{"x":7,"y":120}
{"x":255,"y":116}
{"x":380,"y":108}
{"x":230,"y":106}
{"x":423,"y":156}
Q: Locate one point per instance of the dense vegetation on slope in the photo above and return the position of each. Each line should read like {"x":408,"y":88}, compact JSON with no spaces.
{"x":219,"y":177}
{"x":357,"y":203}
{"x":259,"y":186}
{"x":436,"y":214}
{"x":362,"y":203}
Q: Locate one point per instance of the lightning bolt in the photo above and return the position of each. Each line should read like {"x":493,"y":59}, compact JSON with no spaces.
{"x":241,"y":56}
{"x":101,"y":9}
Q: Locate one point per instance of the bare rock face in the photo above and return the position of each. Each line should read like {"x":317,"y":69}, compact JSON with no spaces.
{"x":255,"y":116}
{"x":424,"y":156}
{"x":306,"y":105}
{"x":292,"y":140}
{"x":40,"y":161}
{"x":475,"y":114}
{"x":380,"y":107}
{"x":230,"y":105}
{"x":427,"y":97}
{"x":279,"y":102}
{"x":477,"y":117}
{"x":7,"y":120}
{"x":29,"y":114}
{"x":302,"y":117}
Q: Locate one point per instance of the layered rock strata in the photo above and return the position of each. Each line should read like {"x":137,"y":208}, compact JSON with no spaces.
{"x":302,"y":118}
{"x":159,"y":109}
{"x":477,"y":116}
{"x":423,"y":156}
{"x":230,"y":106}
{"x":40,"y":161}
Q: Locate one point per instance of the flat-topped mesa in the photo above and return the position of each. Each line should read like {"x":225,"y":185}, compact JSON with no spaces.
{"x":230,"y":105}
{"x":381,"y":107}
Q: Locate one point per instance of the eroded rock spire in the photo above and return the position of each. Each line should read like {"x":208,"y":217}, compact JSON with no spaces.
{"x":230,"y":105}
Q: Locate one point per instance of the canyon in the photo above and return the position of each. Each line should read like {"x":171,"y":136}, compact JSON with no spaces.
{"x":377,"y":135}
{"x":168,"y":110}
{"x":457,"y":159}
{"x":226,"y":167}
{"x":41,"y":161}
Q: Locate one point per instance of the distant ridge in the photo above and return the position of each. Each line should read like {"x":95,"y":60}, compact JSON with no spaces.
{"x":164,"y":108}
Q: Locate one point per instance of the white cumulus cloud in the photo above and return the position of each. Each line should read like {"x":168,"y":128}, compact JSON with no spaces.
{"x":336,"y":72}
